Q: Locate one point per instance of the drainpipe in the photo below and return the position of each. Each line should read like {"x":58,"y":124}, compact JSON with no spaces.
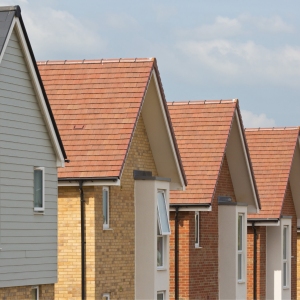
{"x":82,"y":219}
{"x":254,"y":261}
{"x":177,"y":253}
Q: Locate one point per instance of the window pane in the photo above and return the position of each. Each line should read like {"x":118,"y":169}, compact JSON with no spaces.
{"x":160,"y":252}
{"x":105,"y":207}
{"x":284,"y":274}
{"x":197,"y":228}
{"x":240,"y":255}
{"x":38,"y":188}
{"x":34,"y":294}
{"x":240,"y":232}
{"x":160,"y":296}
{"x":284,"y":241}
{"x":162,"y":214}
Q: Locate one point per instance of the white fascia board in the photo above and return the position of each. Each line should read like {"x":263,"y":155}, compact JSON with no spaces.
{"x":90,"y":183}
{"x":60,"y":162}
{"x":7,"y":39}
{"x":193,"y":208}
{"x":247,"y":159}
{"x":267,"y":224}
{"x":168,"y":130}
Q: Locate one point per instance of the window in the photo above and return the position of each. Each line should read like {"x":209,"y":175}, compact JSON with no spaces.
{"x":285,"y":256}
{"x":163,"y":227}
{"x":105,"y":296}
{"x":39,"y":189}
{"x":240,"y":247}
{"x":161,"y":295}
{"x":35,"y":293}
{"x":105,"y":205}
{"x":197,"y":229}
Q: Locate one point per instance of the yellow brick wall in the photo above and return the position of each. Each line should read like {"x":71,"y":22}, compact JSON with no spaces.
{"x":46,"y":292}
{"x":110,"y":254}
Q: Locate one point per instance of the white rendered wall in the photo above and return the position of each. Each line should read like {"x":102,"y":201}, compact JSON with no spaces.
{"x":229,"y":287}
{"x":275,"y":260}
{"x":149,"y":280}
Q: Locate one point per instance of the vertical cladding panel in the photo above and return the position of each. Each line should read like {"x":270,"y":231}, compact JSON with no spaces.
{"x":288,"y":209}
{"x":261,"y":262}
{"x":25,"y":143}
{"x":199,"y":267}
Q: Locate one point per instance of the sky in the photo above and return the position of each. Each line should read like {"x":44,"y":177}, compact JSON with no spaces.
{"x":206,"y":50}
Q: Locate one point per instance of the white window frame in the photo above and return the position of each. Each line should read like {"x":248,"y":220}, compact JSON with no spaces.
{"x":285,"y":260}
{"x":160,"y":232}
{"x":39,"y":209}
{"x":106,"y":296}
{"x":161,"y":293}
{"x":37,"y":291}
{"x":197,"y":230}
{"x":105,"y":225}
{"x":241,"y":252}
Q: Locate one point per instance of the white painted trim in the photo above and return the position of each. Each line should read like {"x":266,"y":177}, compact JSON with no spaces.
{"x":106,"y":296}
{"x":37,"y":292}
{"x":192,"y":208}
{"x":60,"y":162}
{"x":198,"y":227}
{"x":168,"y":130}
{"x":247,"y":160}
{"x":7,"y":39}
{"x":267,"y":224}
{"x":40,"y":209}
{"x":91,"y":183}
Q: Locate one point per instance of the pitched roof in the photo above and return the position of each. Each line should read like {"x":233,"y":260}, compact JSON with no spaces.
{"x":96,"y":104}
{"x":202,"y":130}
{"x":271,"y":152}
{"x":8,"y":21}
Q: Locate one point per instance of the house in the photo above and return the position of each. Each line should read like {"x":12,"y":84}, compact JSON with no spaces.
{"x":114,"y":194}
{"x":31,"y":152}
{"x":209,"y":220}
{"x":272,"y":255}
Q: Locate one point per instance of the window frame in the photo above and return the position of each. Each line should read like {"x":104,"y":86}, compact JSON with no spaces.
{"x":285,"y":257}
{"x":241,"y":252}
{"x":161,"y":234}
{"x":197,"y":229}
{"x":161,"y":293}
{"x":39,"y":209}
{"x":105,"y":225}
{"x":106,"y":296}
{"x":37,"y":291}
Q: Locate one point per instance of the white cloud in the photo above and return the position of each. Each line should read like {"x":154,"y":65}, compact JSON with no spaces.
{"x":222,"y":27}
{"x":252,"y":120}
{"x":246,"y":61}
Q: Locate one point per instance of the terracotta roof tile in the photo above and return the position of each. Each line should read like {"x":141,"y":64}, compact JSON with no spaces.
{"x":201,"y":129}
{"x":95,"y":104}
{"x":271,"y":151}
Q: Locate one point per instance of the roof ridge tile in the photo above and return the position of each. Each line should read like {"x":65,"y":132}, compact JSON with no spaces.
{"x":221,"y":101}
{"x":273,"y":128}
{"x":95,"y":61}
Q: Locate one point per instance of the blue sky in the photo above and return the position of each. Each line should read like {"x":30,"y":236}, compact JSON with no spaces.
{"x":205,"y":49}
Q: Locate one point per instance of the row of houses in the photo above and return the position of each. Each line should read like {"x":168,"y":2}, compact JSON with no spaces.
{"x":109,"y":191}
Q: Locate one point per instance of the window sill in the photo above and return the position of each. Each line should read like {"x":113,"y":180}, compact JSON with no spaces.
{"x":198,"y":247}
{"x":241,"y":281}
{"x":162,"y":269}
{"x":105,"y":229}
{"x":38,"y":212}
{"x":286,"y":288}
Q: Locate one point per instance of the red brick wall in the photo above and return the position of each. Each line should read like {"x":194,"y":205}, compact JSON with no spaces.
{"x":288,"y":209}
{"x":261,"y":262}
{"x":198,"y":268}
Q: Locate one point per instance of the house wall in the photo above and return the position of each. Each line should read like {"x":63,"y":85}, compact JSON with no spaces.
{"x":288,"y":209}
{"x":198,"y":267}
{"x":298,"y":265}
{"x":110,"y":254}
{"x":46,"y":292}
{"x":261,"y":262}
{"x":28,"y":240}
